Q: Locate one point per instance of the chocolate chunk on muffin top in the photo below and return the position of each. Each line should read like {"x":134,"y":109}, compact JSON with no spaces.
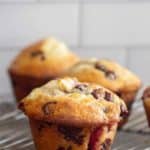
{"x":46,"y":58}
{"x":68,"y":101}
{"x":107,"y":73}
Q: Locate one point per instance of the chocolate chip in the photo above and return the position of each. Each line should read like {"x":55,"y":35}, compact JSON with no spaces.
{"x":72,"y":134}
{"x":38,"y":53}
{"x":100,"y":67}
{"x":108,"y":73}
{"x":111,"y":75}
{"x":124,"y":113}
{"x":81,"y":87}
{"x":60,"y":148}
{"x":106,"y":144}
{"x":44,"y":125}
{"x":97,"y":93}
{"x":118,"y":94}
{"x":46,"y":107}
{"x":108,"y":96}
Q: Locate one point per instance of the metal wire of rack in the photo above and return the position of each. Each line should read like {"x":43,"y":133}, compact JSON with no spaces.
{"x":15,"y":133}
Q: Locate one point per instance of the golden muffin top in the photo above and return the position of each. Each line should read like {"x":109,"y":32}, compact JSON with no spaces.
{"x":68,"y":101}
{"x":106,"y":73}
{"x":45,"y":58}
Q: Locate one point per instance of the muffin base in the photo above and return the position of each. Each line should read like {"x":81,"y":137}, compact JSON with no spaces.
{"x":23,"y":85}
{"x":49,"y":136}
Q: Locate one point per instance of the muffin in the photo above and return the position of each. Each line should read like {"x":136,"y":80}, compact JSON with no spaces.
{"x":39,"y":63}
{"x":146,"y":103}
{"x":66,"y":114}
{"x":110,"y":75}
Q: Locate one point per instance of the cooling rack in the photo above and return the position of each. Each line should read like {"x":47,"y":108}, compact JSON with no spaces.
{"x":15,"y":132}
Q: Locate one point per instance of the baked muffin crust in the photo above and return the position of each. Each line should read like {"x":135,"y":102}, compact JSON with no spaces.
{"x":107,"y":73}
{"x":68,"y":101}
{"x":45,"y":58}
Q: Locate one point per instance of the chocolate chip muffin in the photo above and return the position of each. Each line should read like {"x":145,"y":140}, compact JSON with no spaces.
{"x":110,"y":75}
{"x":66,"y":114}
{"x":146,"y":103}
{"x":39,"y":63}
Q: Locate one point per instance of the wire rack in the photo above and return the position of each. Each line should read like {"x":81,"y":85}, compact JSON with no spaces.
{"x":15,"y":133}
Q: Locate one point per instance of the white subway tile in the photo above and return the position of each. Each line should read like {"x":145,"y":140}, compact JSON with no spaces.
{"x":105,"y":1}
{"x":118,"y":55}
{"x":21,"y":24}
{"x":116,"y":24}
{"x":139,"y":1}
{"x":139,"y":62}
{"x":18,"y":1}
{"x":60,"y":1}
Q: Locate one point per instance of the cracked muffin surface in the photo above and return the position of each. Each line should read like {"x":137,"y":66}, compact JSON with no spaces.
{"x":48,"y":57}
{"x":106,"y":72}
{"x":69,"y":101}
{"x":66,"y":114}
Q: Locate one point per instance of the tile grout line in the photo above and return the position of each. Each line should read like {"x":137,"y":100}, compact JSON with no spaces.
{"x":73,"y":1}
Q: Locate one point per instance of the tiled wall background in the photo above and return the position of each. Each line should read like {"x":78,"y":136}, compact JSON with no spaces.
{"x":117,"y":29}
